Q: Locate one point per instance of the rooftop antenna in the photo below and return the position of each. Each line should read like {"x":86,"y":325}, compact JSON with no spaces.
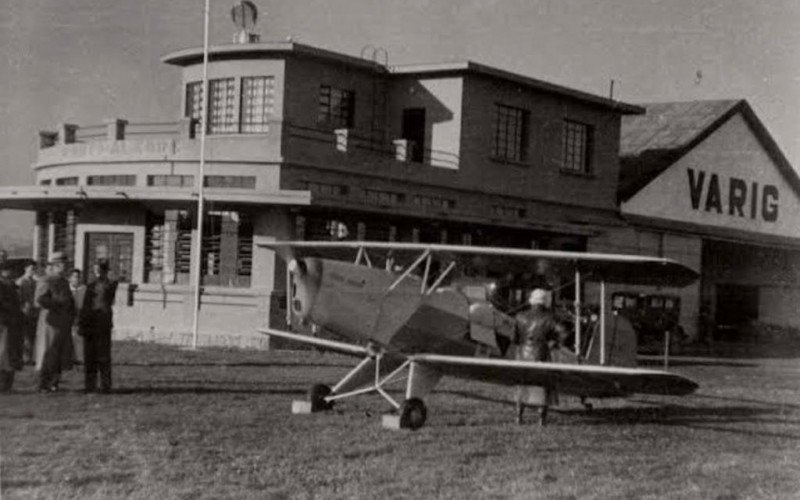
{"x":244,"y":15}
{"x":611,"y":90}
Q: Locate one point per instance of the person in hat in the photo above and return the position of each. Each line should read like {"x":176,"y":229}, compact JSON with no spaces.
{"x":11,"y":340}
{"x":96,"y":323}
{"x":54,"y":351}
{"x":537,"y":333}
{"x":26,"y":285}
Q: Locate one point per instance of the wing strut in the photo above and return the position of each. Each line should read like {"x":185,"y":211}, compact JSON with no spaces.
{"x":577,"y":311}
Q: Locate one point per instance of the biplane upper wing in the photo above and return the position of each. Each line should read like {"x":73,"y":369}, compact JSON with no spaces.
{"x":324,"y":344}
{"x":582,"y":380}
{"x":611,"y":268}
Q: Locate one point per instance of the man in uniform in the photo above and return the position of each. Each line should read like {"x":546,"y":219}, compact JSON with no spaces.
{"x":11,"y":341}
{"x":537,"y":334}
{"x":54,"y":349}
{"x":78,"y":290}
{"x":30,"y":312}
{"x":96,"y":323}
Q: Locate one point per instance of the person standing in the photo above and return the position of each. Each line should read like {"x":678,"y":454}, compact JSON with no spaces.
{"x":54,"y":351}
{"x":97,"y":321}
{"x":26,"y":284}
{"x":538,"y":333}
{"x":78,"y":290}
{"x":11,"y":341}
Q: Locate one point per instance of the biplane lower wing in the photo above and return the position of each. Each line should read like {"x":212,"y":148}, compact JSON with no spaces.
{"x":581,"y":380}
{"x":324,"y":344}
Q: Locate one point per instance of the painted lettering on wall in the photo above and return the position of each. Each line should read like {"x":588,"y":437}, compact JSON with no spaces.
{"x":743,"y":199}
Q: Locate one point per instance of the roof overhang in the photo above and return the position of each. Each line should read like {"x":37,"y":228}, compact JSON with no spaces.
{"x":37,"y":197}
{"x":266,"y":50}
{"x":469,"y":67}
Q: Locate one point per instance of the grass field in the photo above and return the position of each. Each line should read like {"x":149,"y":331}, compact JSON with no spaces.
{"x":217,"y":424}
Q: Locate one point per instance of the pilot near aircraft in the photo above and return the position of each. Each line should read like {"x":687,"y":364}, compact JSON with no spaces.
{"x":436,"y":310}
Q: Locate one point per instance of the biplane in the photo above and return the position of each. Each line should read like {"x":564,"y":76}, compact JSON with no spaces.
{"x":435,"y":317}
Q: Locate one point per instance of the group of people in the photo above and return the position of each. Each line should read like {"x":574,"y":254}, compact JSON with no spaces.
{"x":43,"y":318}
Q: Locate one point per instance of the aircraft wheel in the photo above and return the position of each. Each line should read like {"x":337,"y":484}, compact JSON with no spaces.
{"x":317,"y":395}
{"x":413,"y":414}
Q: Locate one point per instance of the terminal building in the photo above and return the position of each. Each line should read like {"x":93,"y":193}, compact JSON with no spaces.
{"x":305,"y":143}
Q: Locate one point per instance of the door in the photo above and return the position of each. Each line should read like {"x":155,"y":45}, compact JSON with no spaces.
{"x":414,"y":132}
{"x":117,"y":248}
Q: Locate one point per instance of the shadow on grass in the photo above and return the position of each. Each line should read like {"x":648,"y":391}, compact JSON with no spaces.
{"x":76,"y":482}
{"x":677,"y":361}
{"x":246,"y":364}
{"x":127,"y":391}
{"x":747,"y":400}
{"x":702,"y":418}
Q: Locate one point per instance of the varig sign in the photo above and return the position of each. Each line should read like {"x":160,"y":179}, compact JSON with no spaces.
{"x":728,"y":181}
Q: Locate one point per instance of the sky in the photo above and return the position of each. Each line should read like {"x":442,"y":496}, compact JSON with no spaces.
{"x":84,"y":61}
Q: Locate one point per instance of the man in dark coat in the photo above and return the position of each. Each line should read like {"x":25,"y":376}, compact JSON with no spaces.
{"x":26,"y":284}
{"x":11,"y":342}
{"x":97,"y":321}
{"x":537,"y":334}
{"x":54,"y":351}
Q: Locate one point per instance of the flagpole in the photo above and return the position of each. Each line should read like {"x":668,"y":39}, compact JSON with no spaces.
{"x":201,"y":181}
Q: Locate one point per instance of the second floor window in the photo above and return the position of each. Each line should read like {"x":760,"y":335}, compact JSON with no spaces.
{"x":336,"y":107}
{"x":510,"y":133}
{"x":222,"y":106}
{"x":258,"y":97}
{"x":577,"y":146}
{"x":111,"y":180}
{"x":171,"y":180}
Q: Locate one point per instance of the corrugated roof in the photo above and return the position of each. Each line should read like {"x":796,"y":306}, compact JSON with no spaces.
{"x":669,"y":125}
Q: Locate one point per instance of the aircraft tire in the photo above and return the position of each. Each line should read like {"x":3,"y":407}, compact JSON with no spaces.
{"x":413,"y":414}
{"x":316,"y":395}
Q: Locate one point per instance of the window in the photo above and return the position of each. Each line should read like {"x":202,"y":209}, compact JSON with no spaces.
{"x":577,"y":143}
{"x":170,"y":180}
{"x":434,"y":201}
{"x":258,"y":98}
{"x":111,"y":180}
{"x":379,"y":197}
{"x":336,"y":107}
{"x":168,"y":247}
{"x":67,"y":181}
{"x":227,"y":249}
{"x":230,"y":181}
{"x":194,"y":101}
{"x":222,"y":106}
{"x":324,"y":189}
{"x":510,"y":133}
{"x":45,"y":182}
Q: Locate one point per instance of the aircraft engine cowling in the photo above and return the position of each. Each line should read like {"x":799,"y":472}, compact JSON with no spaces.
{"x":305,"y":285}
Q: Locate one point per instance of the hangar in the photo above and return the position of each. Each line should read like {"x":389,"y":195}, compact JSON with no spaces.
{"x":703,"y":182}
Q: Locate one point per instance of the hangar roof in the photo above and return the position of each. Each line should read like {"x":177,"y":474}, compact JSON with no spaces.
{"x":651,"y":142}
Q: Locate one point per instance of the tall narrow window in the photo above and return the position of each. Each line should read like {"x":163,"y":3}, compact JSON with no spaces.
{"x":227,"y":249}
{"x":336,"y":107}
{"x":258,"y":99}
{"x":222,"y":106}
{"x":577,"y":147}
{"x":510,"y":133}
{"x":194,"y":101}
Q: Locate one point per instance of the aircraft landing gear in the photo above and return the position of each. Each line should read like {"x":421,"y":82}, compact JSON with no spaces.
{"x":413,"y":414}
{"x":315,"y":402}
{"x":317,"y":395}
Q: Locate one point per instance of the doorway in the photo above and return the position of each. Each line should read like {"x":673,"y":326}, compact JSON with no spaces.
{"x":117,"y":248}
{"x":413,"y":130}
{"x":737,"y":307}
